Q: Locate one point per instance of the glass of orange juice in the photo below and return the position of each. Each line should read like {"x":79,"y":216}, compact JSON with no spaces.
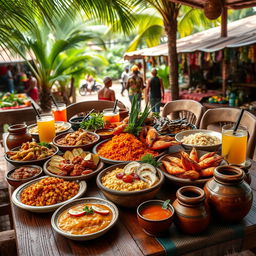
{"x":46,"y":128}
{"x":60,"y":113}
{"x":234,"y":145}
{"x":111,"y":117}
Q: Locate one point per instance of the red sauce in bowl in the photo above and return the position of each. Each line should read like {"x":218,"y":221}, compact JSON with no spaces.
{"x":155,"y":212}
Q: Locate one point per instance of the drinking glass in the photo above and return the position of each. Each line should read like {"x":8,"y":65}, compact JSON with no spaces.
{"x":111,"y":117}
{"x":46,"y":128}
{"x":234,"y":145}
{"x":60,"y":113}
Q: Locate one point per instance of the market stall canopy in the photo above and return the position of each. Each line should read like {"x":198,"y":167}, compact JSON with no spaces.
{"x":241,"y":33}
{"x":230,"y":4}
{"x":7,"y":58}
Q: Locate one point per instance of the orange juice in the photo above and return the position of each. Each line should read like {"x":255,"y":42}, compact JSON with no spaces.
{"x":60,"y":114}
{"x":46,"y":128}
{"x":234,"y":146}
{"x":110,"y":117}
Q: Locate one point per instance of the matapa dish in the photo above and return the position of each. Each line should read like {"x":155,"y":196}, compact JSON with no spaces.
{"x":89,"y":200}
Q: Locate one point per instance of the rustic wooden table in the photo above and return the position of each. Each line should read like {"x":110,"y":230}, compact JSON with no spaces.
{"x":35,"y":236}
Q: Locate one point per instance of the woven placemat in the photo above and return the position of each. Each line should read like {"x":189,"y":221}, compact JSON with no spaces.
{"x":177,"y":243}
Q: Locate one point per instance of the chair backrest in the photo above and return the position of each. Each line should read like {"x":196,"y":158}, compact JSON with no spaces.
{"x":216,"y":118}
{"x":86,"y":106}
{"x":190,"y":109}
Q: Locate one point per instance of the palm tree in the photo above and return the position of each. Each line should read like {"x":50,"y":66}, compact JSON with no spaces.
{"x":149,"y":26}
{"x":175,"y":18}
{"x":47,"y":46}
{"x":43,"y":32}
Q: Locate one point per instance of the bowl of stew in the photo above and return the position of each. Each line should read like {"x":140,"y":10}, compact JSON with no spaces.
{"x":153,"y":218}
{"x":23,"y":174}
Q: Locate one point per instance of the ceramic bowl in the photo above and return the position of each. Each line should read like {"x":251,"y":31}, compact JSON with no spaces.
{"x":128,"y":198}
{"x":179,"y":136}
{"x":64,"y":148}
{"x":31,"y":162}
{"x":57,"y":213}
{"x":105,"y":136}
{"x":36,"y":135}
{"x":181,"y":181}
{"x":49,"y":208}
{"x":80,"y":177}
{"x":17,"y":182}
{"x":75,"y":122}
{"x":154,"y":227}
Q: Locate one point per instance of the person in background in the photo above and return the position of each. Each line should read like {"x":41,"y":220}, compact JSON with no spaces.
{"x":135,"y":84}
{"x":31,"y":87}
{"x":106,"y":93}
{"x":90,"y":82}
{"x":124,"y":77}
{"x":155,"y":91}
{"x":10,"y":79}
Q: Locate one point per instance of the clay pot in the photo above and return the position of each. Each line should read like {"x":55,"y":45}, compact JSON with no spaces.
{"x":192,"y":211}
{"x":229,"y":196}
{"x":212,"y":9}
{"x":245,"y":167}
{"x":17,"y":135}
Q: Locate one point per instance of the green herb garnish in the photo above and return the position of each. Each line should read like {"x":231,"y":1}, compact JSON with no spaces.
{"x":165,"y":204}
{"x":44,"y":144}
{"x":88,"y":210}
{"x":93,"y":122}
{"x":137,"y":119}
{"x":148,"y":158}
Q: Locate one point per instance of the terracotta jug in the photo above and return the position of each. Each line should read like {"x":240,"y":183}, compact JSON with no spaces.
{"x":229,"y":196}
{"x":17,"y":135}
{"x":192,"y":211}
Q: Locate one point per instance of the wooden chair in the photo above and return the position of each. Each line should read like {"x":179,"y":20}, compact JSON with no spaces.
{"x":86,"y":106}
{"x":190,"y":109}
{"x":214,"y":119}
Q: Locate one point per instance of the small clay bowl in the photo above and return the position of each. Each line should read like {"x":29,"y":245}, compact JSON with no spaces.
{"x":15,"y":182}
{"x":75,"y":122}
{"x":154,"y":227}
{"x":106,"y":136}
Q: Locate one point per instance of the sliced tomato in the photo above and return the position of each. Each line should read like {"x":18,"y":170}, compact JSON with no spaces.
{"x":100,"y":210}
{"x":128,"y":178}
{"x":76,"y":213}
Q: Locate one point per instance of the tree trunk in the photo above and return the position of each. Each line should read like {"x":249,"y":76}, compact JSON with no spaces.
{"x":170,"y":25}
{"x":45,"y":99}
{"x":73,"y":90}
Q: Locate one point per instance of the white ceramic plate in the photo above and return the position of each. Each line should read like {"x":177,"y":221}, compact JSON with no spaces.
{"x":49,"y":208}
{"x":95,"y":200}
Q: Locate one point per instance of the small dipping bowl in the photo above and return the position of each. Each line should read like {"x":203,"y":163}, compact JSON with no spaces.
{"x":75,"y":122}
{"x":17,"y":182}
{"x":154,"y":227}
{"x":105,"y":133}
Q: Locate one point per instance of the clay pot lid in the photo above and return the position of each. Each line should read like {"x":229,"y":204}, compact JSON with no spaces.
{"x":17,"y":128}
{"x":228,"y":174}
{"x":190,"y":195}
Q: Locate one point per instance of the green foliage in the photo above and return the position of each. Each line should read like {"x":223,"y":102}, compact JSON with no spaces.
{"x":166,"y":203}
{"x":93,"y":122}
{"x":163,"y":73}
{"x":88,"y":210}
{"x":137,"y":119}
{"x":148,"y":158}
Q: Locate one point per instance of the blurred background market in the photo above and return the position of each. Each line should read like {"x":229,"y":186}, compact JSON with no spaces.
{"x":40,"y":57}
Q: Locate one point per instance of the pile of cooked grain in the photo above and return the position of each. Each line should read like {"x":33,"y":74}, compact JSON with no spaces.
{"x":110,"y":181}
{"x":201,"y":139}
